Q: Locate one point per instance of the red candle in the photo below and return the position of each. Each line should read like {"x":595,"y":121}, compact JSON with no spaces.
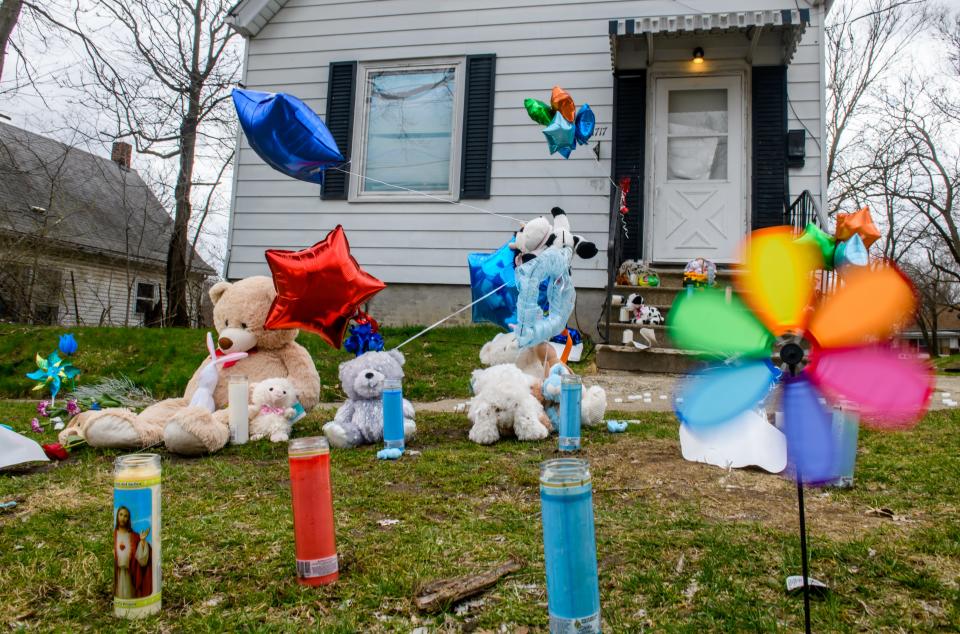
{"x":316,"y":545}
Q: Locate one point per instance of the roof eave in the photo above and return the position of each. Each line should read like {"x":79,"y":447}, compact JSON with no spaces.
{"x":247,"y":17}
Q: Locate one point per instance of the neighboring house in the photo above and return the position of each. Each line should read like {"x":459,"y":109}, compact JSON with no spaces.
{"x":948,"y":335}
{"x":83,"y":240}
{"x":713,"y":108}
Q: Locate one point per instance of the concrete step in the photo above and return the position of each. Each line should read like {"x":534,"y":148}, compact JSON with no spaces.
{"x":663,"y":338}
{"x":652,"y":360}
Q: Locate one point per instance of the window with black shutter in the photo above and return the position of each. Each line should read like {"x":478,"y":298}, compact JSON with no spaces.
{"x":341,"y":87}
{"x":477,"y":152}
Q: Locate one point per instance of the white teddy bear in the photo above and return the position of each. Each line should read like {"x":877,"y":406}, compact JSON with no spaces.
{"x":271,"y":410}
{"x":506,"y":400}
{"x":503,"y":348}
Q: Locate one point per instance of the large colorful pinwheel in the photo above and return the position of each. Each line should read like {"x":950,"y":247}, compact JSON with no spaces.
{"x":776,"y":311}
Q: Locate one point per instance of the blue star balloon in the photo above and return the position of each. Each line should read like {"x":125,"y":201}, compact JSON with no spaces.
{"x":288,"y":135}
{"x":560,"y":136}
{"x":584,"y":124}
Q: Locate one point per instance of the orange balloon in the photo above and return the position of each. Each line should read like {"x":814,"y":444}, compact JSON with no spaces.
{"x":857,"y":222}
{"x":873,"y":304}
{"x":777,"y":282}
{"x":562,"y":102}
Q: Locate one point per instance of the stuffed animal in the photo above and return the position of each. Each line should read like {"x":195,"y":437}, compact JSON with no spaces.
{"x":593,"y":399}
{"x":506,"y":400}
{"x":359,"y":420}
{"x":271,"y":410}
{"x":239,"y":312}
{"x":538,"y":234}
{"x":641,"y":313}
{"x":209,"y":376}
{"x":502,"y":348}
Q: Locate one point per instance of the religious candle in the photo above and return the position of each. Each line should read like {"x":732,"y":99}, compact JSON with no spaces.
{"x":393,"y":414}
{"x":136,"y":535}
{"x":845,"y":429}
{"x":569,"y":546}
{"x":238,"y":397}
{"x":570,"y":393}
{"x":315,"y":541}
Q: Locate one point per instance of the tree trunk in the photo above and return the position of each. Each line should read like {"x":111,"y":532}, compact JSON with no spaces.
{"x":9,"y":14}
{"x":177,"y":314}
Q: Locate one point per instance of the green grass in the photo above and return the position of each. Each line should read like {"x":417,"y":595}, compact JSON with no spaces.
{"x":438,"y":364}
{"x":681,"y":547}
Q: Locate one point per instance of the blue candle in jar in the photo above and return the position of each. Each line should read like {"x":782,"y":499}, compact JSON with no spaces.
{"x":570,"y":393}
{"x":569,"y":546}
{"x":393,"y":414}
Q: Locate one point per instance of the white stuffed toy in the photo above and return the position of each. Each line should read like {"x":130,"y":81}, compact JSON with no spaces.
{"x":593,"y":399}
{"x":538,"y":235}
{"x":641,"y":313}
{"x":506,"y":400}
{"x":271,"y":409}
{"x":502,"y":348}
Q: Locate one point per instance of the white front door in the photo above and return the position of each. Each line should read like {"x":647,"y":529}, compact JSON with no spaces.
{"x":699,"y":169}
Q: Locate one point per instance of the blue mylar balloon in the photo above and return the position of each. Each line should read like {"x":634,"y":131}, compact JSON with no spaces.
{"x":584,"y":124}
{"x":808,"y":426}
{"x":851,"y":252}
{"x":553,"y":267}
{"x":286,"y":134}
{"x":560,"y":136}
{"x":720,"y":393}
{"x":489,"y":271}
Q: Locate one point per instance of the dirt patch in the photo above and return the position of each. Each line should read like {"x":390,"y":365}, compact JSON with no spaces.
{"x":656,"y":468}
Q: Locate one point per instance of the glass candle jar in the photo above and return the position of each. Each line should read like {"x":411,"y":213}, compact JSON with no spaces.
{"x":393,"y":414}
{"x":313,"y":527}
{"x":569,"y":546}
{"x":238,"y":398}
{"x":570,"y":394}
{"x":136,"y":535}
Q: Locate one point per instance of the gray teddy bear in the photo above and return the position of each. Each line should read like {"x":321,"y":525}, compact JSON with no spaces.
{"x":359,"y":420}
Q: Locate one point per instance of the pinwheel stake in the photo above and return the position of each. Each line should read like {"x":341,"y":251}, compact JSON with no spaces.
{"x":792,"y":355}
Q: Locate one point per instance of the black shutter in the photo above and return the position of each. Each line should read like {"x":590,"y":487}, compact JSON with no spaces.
{"x":341,"y":87}
{"x":769,"y":187}
{"x":477,"y":145}
{"x":629,"y":145}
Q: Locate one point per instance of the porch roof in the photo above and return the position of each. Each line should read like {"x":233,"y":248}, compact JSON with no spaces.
{"x":790,"y":23}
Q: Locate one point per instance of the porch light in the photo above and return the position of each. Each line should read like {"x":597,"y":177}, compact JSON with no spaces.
{"x":698,"y":55}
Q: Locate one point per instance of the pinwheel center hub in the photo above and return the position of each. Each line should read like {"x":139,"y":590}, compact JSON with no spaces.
{"x":791,"y":354}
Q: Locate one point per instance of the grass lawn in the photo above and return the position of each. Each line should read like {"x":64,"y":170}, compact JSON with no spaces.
{"x":438,"y":364}
{"x":682,"y":547}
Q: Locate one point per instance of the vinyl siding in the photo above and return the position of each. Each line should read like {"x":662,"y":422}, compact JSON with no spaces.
{"x":536,"y":46}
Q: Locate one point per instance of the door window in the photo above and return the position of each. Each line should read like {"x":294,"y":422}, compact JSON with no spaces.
{"x":697,"y":129}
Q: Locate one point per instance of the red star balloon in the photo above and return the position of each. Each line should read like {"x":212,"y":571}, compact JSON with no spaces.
{"x":319,"y":289}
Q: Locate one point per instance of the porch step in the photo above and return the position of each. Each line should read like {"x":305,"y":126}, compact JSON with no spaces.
{"x":653,"y":360}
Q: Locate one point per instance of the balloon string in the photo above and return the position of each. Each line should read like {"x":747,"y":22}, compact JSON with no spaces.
{"x":425,"y":194}
{"x":431,"y":327}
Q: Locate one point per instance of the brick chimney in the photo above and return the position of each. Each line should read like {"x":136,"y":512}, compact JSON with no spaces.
{"x":121,"y":154}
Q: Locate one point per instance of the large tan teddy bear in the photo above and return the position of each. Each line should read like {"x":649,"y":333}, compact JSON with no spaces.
{"x":239,"y":312}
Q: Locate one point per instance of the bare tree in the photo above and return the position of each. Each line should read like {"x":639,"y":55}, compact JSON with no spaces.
{"x":9,"y":15}
{"x":162,"y":73}
{"x":938,"y":293}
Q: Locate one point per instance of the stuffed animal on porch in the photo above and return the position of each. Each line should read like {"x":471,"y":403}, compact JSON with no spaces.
{"x":641,"y":313}
{"x":239,"y":312}
{"x":359,"y":421}
{"x":593,"y":399}
{"x":506,"y":401}
{"x":538,"y":234}
{"x":502,"y":348}
{"x":271,"y":409}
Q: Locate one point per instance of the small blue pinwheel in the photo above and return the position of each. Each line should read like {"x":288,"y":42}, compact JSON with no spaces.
{"x":51,"y":372}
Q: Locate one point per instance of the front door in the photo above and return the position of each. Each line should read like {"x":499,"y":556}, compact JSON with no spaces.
{"x":699,"y":169}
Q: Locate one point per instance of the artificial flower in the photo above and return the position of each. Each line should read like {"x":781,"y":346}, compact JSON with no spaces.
{"x":68,"y":345}
{"x":55,"y":451}
{"x":36,"y":426}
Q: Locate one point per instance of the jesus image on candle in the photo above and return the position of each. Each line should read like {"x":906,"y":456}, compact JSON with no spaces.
{"x":132,"y":574}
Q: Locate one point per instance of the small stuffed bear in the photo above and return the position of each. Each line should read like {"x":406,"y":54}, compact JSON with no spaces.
{"x":506,"y":400}
{"x":593,"y":399}
{"x":502,"y":348}
{"x":359,"y":420}
{"x":641,"y":313}
{"x":271,"y":409}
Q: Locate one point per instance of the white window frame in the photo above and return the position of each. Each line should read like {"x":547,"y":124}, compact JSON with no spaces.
{"x":361,"y":115}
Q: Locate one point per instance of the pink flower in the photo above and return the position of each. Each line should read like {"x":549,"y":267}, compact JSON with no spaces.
{"x":42,"y":407}
{"x":36,"y":426}
{"x":73,"y":408}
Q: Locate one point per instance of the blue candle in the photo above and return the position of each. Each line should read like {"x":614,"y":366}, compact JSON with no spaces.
{"x":570,"y":393}
{"x":569,"y":547}
{"x":845,"y":432}
{"x":393,"y":414}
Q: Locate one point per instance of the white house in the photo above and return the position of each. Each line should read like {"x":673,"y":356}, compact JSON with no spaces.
{"x":713,"y":108}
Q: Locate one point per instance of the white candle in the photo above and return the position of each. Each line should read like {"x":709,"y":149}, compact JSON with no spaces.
{"x":616,"y":300}
{"x":237,"y":395}
{"x":627,"y":337}
{"x":624,"y":315}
